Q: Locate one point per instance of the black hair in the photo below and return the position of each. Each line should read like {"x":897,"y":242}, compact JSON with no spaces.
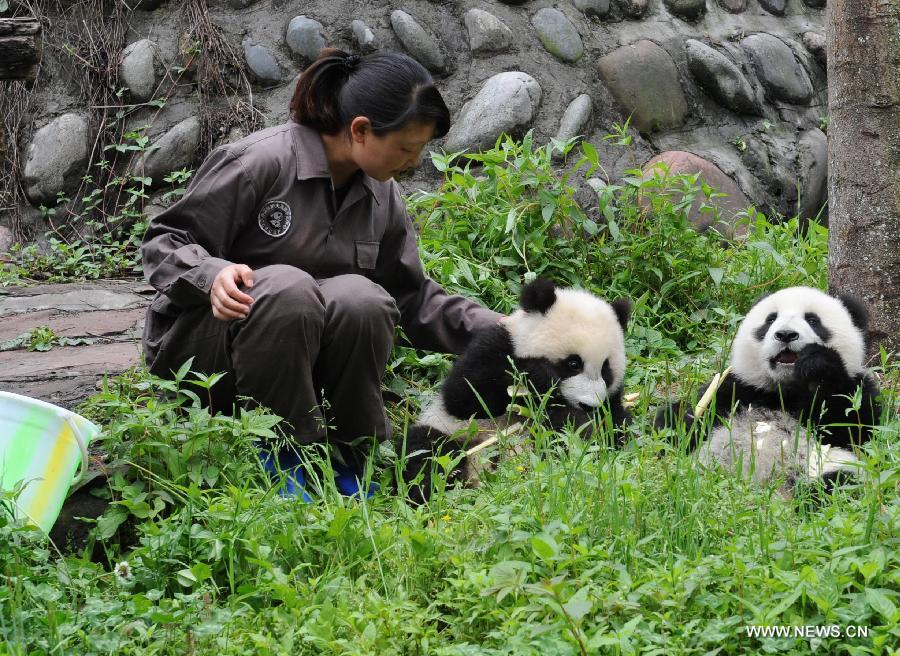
{"x":391,"y":89}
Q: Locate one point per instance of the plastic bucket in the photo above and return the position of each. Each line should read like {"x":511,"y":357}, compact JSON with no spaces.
{"x":43,"y":447}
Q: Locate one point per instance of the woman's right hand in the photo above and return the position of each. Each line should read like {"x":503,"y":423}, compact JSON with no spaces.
{"x":228,"y":301}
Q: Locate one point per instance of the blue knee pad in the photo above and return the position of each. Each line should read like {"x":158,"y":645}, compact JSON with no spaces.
{"x":287,"y":464}
{"x":347,"y":478}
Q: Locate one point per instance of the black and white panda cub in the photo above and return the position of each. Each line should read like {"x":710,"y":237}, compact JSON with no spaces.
{"x":796,"y":362}
{"x":565,"y":340}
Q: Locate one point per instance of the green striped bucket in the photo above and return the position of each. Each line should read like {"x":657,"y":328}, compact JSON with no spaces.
{"x":43,"y":447}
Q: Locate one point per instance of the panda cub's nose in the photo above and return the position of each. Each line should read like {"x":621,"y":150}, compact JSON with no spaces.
{"x":787,"y":336}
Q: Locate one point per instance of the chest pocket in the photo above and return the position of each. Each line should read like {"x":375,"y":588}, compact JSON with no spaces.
{"x":367,"y":254}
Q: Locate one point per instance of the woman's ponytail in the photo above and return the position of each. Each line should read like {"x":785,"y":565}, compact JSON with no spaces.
{"x":316,"y":100}
{"x":391,"y":89}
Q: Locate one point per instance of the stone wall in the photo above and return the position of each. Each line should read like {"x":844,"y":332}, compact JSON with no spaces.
{"x":735,"y":88}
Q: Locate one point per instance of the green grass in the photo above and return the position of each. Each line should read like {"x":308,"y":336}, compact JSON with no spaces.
{"x":571,"y":548}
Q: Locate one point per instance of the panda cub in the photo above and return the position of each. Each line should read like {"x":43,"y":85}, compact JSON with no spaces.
{"x":566,"y":342}
{"x":796,"y":361}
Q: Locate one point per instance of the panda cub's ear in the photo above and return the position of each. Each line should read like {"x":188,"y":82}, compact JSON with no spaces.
{"x":856,"y":308}
{"x":538,"y":296}
{"x":622,"y":308}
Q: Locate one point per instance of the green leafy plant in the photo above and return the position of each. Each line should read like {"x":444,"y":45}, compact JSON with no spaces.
{"x":160,"y":433}
{"x":42,"y":338}
{"x":178,"y":179}
{"x":112,"y":251}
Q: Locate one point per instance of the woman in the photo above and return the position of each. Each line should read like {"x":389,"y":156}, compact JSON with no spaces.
{"x":291,"y":258}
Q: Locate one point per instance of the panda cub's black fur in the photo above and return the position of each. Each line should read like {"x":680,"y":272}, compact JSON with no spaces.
{"x":566,"y":342}
{"x":796,"y":362}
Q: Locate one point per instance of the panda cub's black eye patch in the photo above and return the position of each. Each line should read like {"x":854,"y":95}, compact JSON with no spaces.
{"x":764,"y":328}
{"x":606,"y":373}
{"x":816,"y":324}
{"x":573,"y":364}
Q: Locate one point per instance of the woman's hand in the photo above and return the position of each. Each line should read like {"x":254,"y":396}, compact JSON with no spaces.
{"x":228,"y":301}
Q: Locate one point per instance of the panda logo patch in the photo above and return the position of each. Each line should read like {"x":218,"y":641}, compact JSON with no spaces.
{"x":275,"y":218}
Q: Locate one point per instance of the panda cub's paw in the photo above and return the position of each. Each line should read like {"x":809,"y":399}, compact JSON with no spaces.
{"x":819,"y":364}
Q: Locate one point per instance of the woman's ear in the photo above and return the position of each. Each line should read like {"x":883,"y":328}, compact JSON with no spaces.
{"x":360,"y":129}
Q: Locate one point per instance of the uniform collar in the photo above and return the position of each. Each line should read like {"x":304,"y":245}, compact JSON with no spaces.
{"x":311,"y":160}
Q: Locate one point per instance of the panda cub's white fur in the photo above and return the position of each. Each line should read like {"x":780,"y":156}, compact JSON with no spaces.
{"x":765,"y":444}
{"x":435,"y":415}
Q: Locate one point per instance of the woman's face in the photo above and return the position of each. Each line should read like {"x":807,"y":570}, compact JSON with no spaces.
{"x":386,"y":156}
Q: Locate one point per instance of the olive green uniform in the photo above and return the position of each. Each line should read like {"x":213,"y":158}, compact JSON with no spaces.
{"x":332,"y":278}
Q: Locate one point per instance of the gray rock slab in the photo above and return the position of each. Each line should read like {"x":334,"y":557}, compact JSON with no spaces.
{"x":487,"y":33}
{"x":592,"y":7}
{"x":733,"y":6}
{"x":130,"y":285}
{"x":7,"y":239}
{"x":56,"y":159}
{"x":97,"y":323}
{"x":507,"y":103}
{"x":262,"y":63}
{"x":770,"y":157}
{"x":418,"y":42}
{"x":173,"y":151}
{"x":65,"y":375}
{"x":721,"y":78}
{"x":633,"y":8}
{"x":365,"y":38}
{"x":686,"y":9}
{"x":775,"y":7}
{"x":729,"y":206}
{"x":778,"y":69}
{"x":596,"y":184}
{"x":304,"y":37}
{"x":74,"y":299}
{"x":139,"y":69}
{"x":557,"y":34}
{"x":815,"y":43}
{"x":575,"y":118}
{"x":812,"y":155}
{"x":644,"y":80}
